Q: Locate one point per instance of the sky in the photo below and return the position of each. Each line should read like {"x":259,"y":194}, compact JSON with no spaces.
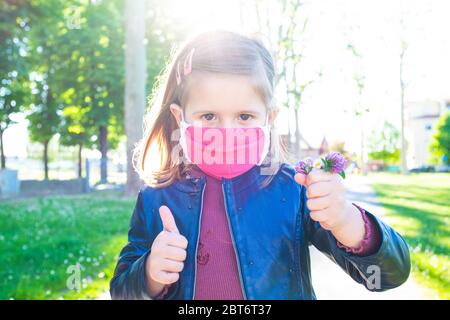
{"x":375,"y":30}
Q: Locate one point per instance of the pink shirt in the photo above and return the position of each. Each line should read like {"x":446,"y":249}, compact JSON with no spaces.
{"x":217,"y":270}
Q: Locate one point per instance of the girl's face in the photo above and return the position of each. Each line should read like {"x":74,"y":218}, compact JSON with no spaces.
{"x":223,"y":101}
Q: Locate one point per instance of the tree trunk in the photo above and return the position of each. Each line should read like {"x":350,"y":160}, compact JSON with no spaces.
{"x":2,"y":152}
{"x":80,"y":147}
{"x":103,"y":143}
{"x":297,"y":135}
{"x":362,"y":155}
{"x":289,"y":134}
{"x":403,"y":149}
{"x":46,"y":160}
{"x":135,"y":77}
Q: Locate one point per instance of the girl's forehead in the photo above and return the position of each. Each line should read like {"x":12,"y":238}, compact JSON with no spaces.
{"x":223,"y":93}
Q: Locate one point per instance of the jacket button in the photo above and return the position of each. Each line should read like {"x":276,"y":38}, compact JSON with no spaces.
{"x":283,"y":199}
{"x":291,"y":270}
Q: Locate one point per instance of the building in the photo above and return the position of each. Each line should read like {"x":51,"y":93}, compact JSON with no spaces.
{"x":306,"y":150}
{"x":420,"y":120}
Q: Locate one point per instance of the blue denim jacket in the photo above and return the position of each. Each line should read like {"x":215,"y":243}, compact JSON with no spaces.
{"x":271,"y":230}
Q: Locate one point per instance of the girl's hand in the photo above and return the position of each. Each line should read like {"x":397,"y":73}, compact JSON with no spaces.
{"x":328,"y":205}
{"x":168,"y":252}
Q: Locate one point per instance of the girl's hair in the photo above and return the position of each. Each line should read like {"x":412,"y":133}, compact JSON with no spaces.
{"x":215,"y":52}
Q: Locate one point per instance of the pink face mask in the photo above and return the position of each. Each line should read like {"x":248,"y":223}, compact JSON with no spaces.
{"x":224,"y":152}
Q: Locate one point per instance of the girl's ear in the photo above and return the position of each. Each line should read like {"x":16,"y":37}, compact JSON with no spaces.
{"x":176,"y":112}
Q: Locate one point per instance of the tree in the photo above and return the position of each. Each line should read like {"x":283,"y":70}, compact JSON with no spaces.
{"x":383,"y":144}
{"x":97,"y":64}
{"x":44,"y":62}
{"x":135,"y":76}
{"x":289,"y":36}
{"x":82,"y":59}
{"x":403,"y":85}
{"x":73,"y":131}
{"x":440,"y":144}
{"x":295,"y":88}
{"x":359,"y":111}
{"x":44,"y":120}
{"x":157,"y":32}
{"x":12,"y":94}
{"x":29,"y":73}
{"x":13,"y":73}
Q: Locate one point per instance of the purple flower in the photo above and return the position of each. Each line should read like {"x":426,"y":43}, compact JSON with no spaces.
{"x":335,"y":162}
{"x":304,"y":166}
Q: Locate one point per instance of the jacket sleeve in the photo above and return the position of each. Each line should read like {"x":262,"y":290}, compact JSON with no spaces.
{"x":385,"y":269}
{"x":129,"y":281}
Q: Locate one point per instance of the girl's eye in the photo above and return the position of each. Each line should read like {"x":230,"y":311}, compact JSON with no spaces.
{"x":245,"y":116}
{"x":208,"y":116}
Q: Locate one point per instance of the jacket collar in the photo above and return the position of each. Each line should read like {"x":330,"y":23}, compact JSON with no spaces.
{"x":195,"y":180}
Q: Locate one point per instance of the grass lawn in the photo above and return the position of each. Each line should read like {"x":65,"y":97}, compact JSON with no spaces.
{"x":418,"y":207}
{"x":41,"y":237}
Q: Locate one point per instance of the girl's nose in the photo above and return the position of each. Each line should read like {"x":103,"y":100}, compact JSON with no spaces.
{"x":228,"y":123}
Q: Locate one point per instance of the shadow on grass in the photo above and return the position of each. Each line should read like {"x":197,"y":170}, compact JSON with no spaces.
{"x":430,"y":227}
{"x":421,"y":215}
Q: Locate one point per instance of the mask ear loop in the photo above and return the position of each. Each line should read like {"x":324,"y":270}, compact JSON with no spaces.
{"x":266,"y":130}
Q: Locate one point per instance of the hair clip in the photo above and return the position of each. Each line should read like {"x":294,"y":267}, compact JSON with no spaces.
{"x":188,"y":63}
{"x":187,"y":67}
{"x":178,"y":73}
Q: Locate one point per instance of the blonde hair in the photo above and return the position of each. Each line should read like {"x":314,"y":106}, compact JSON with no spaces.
{"x":215,"y":52}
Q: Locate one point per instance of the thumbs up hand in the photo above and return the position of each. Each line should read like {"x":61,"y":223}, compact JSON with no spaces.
{"x":168,"y":220}
{"x":167,"y":256}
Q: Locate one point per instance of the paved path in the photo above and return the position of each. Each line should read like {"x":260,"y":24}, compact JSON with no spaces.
{"x":331,"y":282}
{"x":104,"y":296}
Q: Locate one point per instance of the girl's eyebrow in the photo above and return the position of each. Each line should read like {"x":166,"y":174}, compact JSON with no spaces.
{"x":203,"y":111}
{"x":240,"y":111}
{"x":250,"y":111}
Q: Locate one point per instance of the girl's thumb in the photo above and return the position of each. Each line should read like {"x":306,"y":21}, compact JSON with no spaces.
{"x":300,"y":178}
{"x":167,"y":219}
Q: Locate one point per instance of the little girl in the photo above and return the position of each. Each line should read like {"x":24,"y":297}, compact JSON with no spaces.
{"x":224,"y":216}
